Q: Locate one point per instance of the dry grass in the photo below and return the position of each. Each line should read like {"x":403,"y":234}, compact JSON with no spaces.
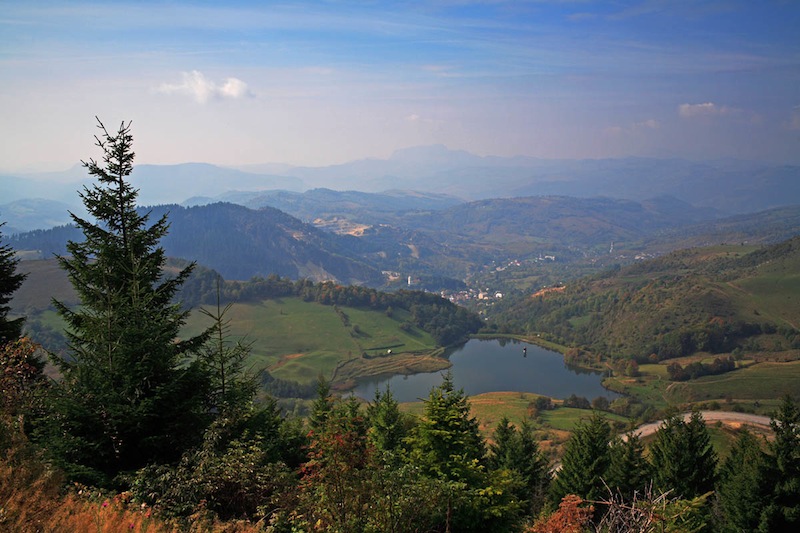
{"x":33,"y":499}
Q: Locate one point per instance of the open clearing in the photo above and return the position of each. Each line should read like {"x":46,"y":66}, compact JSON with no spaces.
{"x":298,"y":340}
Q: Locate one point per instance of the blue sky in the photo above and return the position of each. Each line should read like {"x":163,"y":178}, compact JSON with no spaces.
{"x":317,"y":83}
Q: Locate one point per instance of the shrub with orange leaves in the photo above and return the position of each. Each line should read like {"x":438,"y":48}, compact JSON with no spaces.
{"x":569,"y":518}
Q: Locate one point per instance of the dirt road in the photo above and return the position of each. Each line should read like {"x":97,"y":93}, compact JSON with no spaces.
{"x":711,"y":416}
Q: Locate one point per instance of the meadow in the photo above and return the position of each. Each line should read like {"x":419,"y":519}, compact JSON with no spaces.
{"x":298,"y":340}
{"x":755,"y":387}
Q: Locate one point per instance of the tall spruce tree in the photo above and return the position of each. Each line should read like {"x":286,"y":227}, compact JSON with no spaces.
{"x":447,"y":443}
{"x":742,"y":490}
{"x":586,"y":460}
{"x":517,"y":450}
{"x":10,"y":281}
{"x":782,"y":513}
{"x":321,"y":408}
{"x":629,"y":471}
{"x":130,"y":395}
{"x":388,"y":426}
{"x":447,"y":446}
{"x":503,"y":448}
{"x":222,"y":360}
{"x":682,"y":457}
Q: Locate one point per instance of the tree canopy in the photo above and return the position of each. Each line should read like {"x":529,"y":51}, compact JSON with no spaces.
{"x":129,"y":395}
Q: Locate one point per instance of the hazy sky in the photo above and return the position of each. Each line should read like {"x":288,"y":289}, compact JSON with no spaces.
{"x":316,"y":83}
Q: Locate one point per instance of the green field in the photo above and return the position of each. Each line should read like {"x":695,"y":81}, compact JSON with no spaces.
{"x":757,"y":382}
{"x":774,"y":295}
{"x":46,"y":280}
{"x":757,"y":386}
{"x":298,"y":340}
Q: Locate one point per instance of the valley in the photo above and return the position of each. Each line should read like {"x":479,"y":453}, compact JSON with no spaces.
{"x":400,"y":267}
{"x":608,"y":282}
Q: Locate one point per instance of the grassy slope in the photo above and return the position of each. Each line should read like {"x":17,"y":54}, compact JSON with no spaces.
{"x":298,"y":340}
{"x":757,"y":386}
{"x":46,"y":280}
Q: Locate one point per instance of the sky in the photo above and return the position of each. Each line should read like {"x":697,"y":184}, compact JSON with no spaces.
{"x":324,"y":82}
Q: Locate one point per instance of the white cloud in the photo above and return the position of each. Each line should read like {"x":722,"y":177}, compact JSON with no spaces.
{"x":704,"y":109}
{"x":650,"y":124}
{"x":422,"y":121}
{"x":196,"y":85}
{"x":234,"y":88}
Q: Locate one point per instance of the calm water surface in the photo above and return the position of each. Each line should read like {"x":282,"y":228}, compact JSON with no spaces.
{"x":497,"y":365}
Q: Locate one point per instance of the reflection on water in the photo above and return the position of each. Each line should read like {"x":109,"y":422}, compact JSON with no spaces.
{"x":497,"y":365}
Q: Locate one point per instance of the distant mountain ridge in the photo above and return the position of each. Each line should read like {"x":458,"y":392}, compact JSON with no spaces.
{"x":34,"y":213}
{"x":728,"y":186}
{"x":362,"y":207}
{"x":239,"y":243}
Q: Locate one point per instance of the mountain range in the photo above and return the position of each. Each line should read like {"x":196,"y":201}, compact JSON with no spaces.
{"x":425,"y":211}
{"x":728,"y":186}
{"x":448,"y":242}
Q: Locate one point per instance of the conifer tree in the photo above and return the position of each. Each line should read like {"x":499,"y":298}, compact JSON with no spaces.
{"x":585,"y":462}
{"x":321,"y":408}
{"x":387,"y":424}
{"x":448,"y":443}
{"x":742,"y":489}
{"x":222,"y":359}
{"x":129,"y":395}
{"x":517,"y":450}
{"x":502,"y":449}
{"x":10,"y":281}
{"x":783,"y":510}
{"x":629,"y":471}
{"x":447,"y":446}
{"x":682,"y":457}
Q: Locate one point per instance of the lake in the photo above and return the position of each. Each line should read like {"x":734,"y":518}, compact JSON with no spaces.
{"x":497,"y":365}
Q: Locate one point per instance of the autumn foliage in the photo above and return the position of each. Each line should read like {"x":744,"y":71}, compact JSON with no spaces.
{"x":572,"y":516}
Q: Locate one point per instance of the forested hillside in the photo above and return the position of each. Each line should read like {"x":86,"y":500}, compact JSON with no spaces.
{"x":239,"y":243}
{"x":374,"y":239}
{"x":718,"y":300}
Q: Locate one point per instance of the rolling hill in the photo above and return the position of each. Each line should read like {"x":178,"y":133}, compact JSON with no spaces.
{"x":239,"y":243}
{"x":437,"y":175}
{"x":356,"y":236}
{"x":326,"y":204}
{"x":295,"y":331}
{"x":720,"y":300}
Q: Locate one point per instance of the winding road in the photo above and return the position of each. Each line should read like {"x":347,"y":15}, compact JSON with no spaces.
{"x":711,"y":416}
